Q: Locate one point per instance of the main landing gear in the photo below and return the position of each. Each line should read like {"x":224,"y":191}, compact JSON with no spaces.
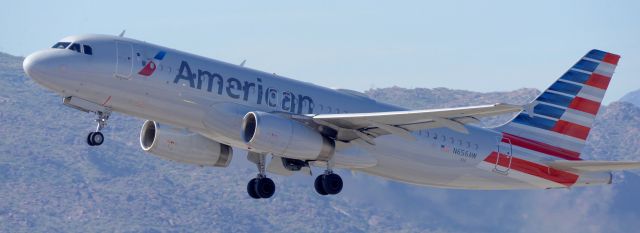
{"x":97,"y":138}
{"x":328,"y":183}
{"x":261,"y":186}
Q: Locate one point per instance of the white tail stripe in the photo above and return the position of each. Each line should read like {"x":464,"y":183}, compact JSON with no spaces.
{"x":532,"y":155}
{"x":591,"y":59}
{"x":592,"y":93}
{"x":543,"y":132}
{"x":545,"y":136}
{"x":571,"y":82}
{"x":545,"y":117}
{"x":605,"y":69}
{"x":578,"y":117}
{"x":581,"y":71}
{"x":560,"y":93}
{"x":550,"y":104}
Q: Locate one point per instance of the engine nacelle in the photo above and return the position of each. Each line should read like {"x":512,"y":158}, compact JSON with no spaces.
{"x":285,"y":137}
{"x":183,"y":146}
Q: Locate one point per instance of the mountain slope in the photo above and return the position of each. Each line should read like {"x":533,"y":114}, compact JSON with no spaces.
{"x":632,"y":97}
{"x":51,"y":181}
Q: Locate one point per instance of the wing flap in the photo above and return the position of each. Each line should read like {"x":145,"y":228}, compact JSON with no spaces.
{"x":402,"y":122}
{"x":595,"y":166}
{"x":418,"y":116}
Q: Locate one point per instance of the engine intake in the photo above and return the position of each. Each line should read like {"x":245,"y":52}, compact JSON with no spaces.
{"x":183,"y":146}
{"x":285,"y":137}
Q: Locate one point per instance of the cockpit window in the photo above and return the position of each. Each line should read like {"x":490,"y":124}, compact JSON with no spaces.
{"x":87,"y":50}
{"x":75,"y":47}
{"x":60,"y":45}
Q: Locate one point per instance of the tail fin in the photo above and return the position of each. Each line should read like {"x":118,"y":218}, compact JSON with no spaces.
{"x":558,"y":121}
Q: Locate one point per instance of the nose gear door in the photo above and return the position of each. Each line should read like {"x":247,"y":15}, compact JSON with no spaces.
{"x":124,"y":60}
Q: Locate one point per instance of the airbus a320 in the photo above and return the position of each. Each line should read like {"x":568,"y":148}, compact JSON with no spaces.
{"x":200,"y":110}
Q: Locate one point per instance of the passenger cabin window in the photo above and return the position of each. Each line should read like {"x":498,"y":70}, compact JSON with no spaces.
{"x":60,"y":45}
{"x":75,"y":47}
{"x":87,"y":50}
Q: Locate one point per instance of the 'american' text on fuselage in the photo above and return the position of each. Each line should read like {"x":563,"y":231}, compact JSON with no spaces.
{"x":289,"y":102}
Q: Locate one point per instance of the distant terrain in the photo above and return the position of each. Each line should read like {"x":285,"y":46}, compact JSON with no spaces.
{"x":51,"y":181}
{"x":632,"y":97}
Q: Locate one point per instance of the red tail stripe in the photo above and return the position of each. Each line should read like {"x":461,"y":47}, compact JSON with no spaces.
{"x":571,"y":129}
{"x":534,"y":169}
{"x":585,"y":105}
{"x":599,"y":81}
{"x":540,"y":147}
{"x":611,"y":58}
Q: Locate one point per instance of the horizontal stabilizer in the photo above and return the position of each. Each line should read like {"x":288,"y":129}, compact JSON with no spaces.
{"x":594,"y":166}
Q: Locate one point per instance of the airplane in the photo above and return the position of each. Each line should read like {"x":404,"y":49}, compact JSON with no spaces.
{"x":199,"y":110}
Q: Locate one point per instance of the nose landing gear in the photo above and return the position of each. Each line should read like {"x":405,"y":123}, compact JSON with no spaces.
{"x":103,"y":112}
{"x":97,"y":138}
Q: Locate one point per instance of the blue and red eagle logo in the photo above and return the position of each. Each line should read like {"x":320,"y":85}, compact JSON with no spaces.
{"x":152,"y":64}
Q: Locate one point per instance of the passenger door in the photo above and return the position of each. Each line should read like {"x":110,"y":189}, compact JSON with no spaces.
{"x":124,"y":60}
{"x":505,"y":150}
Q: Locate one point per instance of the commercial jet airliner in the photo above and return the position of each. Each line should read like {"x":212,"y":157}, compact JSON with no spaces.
{"x":200,"y":110}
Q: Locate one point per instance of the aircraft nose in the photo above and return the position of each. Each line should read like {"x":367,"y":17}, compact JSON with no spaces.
{"x":35,"y":64}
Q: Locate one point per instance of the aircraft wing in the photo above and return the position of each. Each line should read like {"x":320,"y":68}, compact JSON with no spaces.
{"x":367,"y":126}
{"x":594,"y":166}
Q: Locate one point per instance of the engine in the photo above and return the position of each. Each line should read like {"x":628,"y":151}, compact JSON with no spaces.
{"x":184,"y":146}
{"x":285,"y":137}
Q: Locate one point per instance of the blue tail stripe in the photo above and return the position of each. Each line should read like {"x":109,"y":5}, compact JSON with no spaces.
{"x":566,"y":88}
{"x":596,"y":54}
{"x":537,"y":122}
{"x":556,"y":99}
{"x":549,"y":111}
{"x":575,"y":76}
{"x":586,"y":65}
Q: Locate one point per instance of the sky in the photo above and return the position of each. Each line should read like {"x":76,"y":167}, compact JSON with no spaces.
{"x":472,"y":45}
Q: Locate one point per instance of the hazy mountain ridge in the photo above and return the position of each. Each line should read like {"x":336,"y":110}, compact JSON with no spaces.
{"x":632,"y":97}
{"x":51,"y":181}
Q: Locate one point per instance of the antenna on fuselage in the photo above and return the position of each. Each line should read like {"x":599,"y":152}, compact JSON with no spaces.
{"x":242,"y":63}
{"x":122,"y":33}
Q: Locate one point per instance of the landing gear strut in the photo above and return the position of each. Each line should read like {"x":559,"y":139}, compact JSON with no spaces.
{"x":96,"y":138}
{"x":261,"y":186}
{"x":328,"y":183}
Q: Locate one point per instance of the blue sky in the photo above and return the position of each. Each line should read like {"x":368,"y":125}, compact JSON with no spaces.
{"x":473,"y":45}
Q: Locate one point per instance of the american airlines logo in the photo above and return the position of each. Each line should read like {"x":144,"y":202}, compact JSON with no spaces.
{"x":152,"y":64}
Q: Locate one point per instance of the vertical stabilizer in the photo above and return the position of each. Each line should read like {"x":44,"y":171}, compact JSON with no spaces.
{"x":558,"y":121}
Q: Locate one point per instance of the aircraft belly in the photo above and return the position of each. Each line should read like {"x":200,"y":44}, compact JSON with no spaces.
{"x":422,"y":163}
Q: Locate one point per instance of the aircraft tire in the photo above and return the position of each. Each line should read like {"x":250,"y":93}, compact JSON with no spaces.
{"x":332,"y":183}
{"x":89,"y":139}
{"x":319,"y":186}
{"x":251,"y":188}
{"x":96,"y":138}
{"x":265,"y":188}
